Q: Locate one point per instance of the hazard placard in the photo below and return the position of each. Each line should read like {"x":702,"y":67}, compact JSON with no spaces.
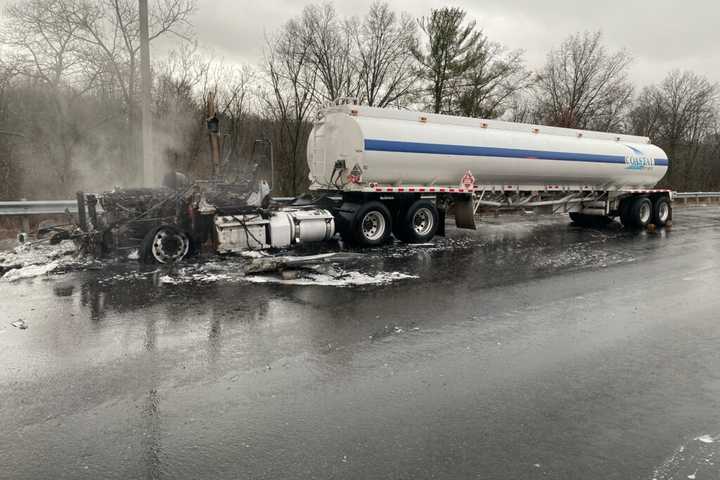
{"x":468,"y":181}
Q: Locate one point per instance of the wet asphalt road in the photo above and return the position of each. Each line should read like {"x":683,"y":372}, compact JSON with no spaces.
{"x":527,"y":349}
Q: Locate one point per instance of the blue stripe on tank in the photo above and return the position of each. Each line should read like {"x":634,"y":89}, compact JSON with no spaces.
{"x":475,"y":151}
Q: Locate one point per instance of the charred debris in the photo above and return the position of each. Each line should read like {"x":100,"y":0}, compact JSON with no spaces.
{"x":164,"y":224}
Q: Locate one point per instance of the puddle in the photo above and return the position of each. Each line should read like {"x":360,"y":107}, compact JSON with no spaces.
{"x":28,"y":261}
{"x":334,"y":277}
{"x":30,"y":271}
{"x":695,"y":460}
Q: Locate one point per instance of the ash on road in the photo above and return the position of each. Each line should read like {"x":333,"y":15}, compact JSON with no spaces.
{"x":527,"y":349}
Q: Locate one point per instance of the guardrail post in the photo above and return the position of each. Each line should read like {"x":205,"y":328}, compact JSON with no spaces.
{"x":25,"y":220}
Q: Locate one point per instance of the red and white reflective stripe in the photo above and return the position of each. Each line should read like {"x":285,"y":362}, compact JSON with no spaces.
{"x":647,"y":191}
{"x":418,"y":189}
{"x":425,"y":189}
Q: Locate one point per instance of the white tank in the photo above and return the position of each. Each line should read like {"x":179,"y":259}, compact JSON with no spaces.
{"x":384,"y":147}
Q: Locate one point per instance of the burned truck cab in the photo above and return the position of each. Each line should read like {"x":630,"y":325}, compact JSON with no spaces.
{"x":166,"y":224}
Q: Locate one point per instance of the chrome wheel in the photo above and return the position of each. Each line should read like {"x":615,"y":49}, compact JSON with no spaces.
{"x":422,"y":221}
{"x":373,"y":225}
{"x":169,"y":245}
{"x":645,"y":212}
{"x":663,"y":212}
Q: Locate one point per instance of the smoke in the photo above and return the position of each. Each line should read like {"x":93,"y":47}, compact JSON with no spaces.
{"x":91,"y":143}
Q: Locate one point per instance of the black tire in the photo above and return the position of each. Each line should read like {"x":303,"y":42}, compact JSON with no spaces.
{"x":585,"y":220}
{"x":419,"y":222}
{"x":580,"y":219}
{"x":398,"y":217}
{"x":638,"y":213}
{"x":662,"y":211}
{"x":371,"y":225}
{"x":164,"y":244}
{"x":624,"y":209}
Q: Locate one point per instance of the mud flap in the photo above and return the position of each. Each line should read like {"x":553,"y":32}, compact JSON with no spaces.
{"x":464,"y":212}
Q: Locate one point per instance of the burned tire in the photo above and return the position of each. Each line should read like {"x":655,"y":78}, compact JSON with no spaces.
{"x":164,"y":244}
{"x":419,"y":223}
{"x":371,"y":225}
{"x":638,"y":213}
{"x":662,"y":211}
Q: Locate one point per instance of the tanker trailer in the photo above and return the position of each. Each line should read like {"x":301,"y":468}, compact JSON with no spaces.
{"x":398,"y":172}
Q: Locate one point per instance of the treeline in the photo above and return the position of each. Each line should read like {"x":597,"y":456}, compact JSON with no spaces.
{"x":70,"y":108}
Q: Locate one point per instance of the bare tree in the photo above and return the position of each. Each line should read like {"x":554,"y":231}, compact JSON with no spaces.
{"x":234,"y":95}
{"x":110,"y":30}
{"x":47,"y":52}
{"x":383,"y":42}
{"x":522,"y":107}
{"x":10,"y":137}
{"x":72,"y":50}
{"x":447,"y":51}
{"x":329,"y":42}
{"x":584,"y":86}
{"x":648,"y":113}
{"x":487,"y":89}
{"x":290,"y":99}
{"x":681,"y":115}
{"x":178,"y":112}
{"x":37,"y":32}
{"x":186,"y":81}
{"x":112,"y":27}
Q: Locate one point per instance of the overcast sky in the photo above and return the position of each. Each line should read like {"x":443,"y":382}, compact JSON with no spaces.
{"x":660,"y":34}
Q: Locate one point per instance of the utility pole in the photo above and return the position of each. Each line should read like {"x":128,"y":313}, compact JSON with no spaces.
{"x":145,"y":99}
{"x":213,"y":125}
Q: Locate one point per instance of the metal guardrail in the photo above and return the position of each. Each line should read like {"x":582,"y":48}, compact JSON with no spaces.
{"x":55,"y":207}
{"x":38,"y":207}
{"x":696,"y":194}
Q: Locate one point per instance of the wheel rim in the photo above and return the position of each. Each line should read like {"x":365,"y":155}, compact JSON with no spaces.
{"x":169,"y":246}
{"x":373,"y":225}
{"x":645,"y":212}
{"x":423,"y":221}
{"x":663,"y":212}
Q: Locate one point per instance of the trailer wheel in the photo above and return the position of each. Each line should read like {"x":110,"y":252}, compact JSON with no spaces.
{"x":639,"y":213}
{"x":625,"y":204}
{"x":662,"y":211}
{"x":371,"y":224}
{"x":165,"y":244}
{"x":419,"y":222}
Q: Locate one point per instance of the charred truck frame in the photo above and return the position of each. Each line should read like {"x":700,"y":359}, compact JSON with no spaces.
{"x":166,"y":224}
